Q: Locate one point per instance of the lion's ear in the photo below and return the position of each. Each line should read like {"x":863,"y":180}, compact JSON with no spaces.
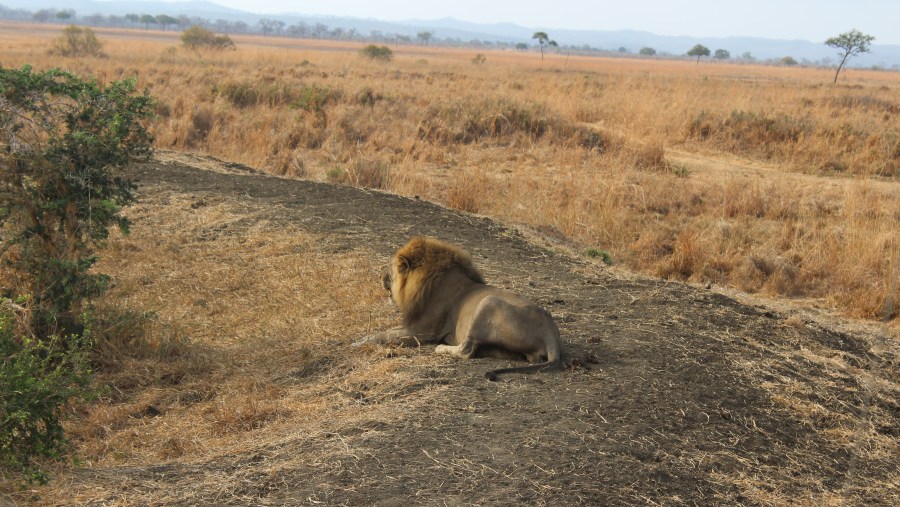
{"x":403,"y":265}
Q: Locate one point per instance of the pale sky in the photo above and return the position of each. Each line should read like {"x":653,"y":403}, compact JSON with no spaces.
{"x":813,"y":20}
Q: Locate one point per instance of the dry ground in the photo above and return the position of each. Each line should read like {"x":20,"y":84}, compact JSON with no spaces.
{"x":240,"y":387}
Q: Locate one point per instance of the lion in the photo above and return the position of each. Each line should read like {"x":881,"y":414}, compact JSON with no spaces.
{"x":444,"y":300}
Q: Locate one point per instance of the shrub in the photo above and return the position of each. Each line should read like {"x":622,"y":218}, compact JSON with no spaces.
{"x":787,"y":60}
{"x":603,"y":255}
{"x":37,"y":379}
{"x":762,"y":129}
{"x":62,"y":138}
{"x":197,"y":37}
{"x":373,"y":52}
{"x":77,"y":41}
{"x":240,"y":93}
{"x":314,"y":98}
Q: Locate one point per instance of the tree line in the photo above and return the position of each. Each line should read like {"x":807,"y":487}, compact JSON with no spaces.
{"x":850,"y":43}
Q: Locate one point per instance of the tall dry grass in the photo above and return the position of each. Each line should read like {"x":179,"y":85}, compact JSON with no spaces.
{"x":766,"y":179}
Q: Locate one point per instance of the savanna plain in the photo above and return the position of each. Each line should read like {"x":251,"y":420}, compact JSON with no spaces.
{"x":225,"y":353}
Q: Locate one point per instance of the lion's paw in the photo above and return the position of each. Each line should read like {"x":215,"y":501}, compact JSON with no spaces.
{"x":360,"y":342}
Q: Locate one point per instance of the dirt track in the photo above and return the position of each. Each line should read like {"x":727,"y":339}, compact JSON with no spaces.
{"x":683,"y":396}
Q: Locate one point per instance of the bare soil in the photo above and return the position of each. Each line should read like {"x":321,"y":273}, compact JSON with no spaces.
{"x":676,"y":394}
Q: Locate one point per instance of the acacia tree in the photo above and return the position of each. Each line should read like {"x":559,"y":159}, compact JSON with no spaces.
{"x":698,"y":51}
{"x":425,"y":37}
{"x":850,"y":44}
{"x":147,"y":20}
{"x":166,"y":20}
{"x":544,"y":40}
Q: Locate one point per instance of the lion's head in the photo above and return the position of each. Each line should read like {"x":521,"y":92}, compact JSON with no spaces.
{"x":417,"y":266}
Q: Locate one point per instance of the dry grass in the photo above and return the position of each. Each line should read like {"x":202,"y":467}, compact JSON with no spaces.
{"x":766,"y":179}
{"x":250,"y":335}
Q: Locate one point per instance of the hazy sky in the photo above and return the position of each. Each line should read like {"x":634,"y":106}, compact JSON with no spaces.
{"x":813,"y":20}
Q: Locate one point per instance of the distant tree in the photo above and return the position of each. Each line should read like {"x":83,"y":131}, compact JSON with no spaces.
{"x":197,"y":37}
{"x":43,"y":15}
{"x":147,"y":20}
{"x":747,"y":56}
{"x":97,"y":20}
{"x":850,"y":44}
{"x":544,"y":40}
{"x":645,"y":51}
{"x":300,"y":29}
{"x":698,"y":51}
{"x":623,"y":49}
{"x":787,"y":60}
{"x":7,"y":13}
{"x":222,"y":25}
{"x":521,"y":46}
{"x":132,"y":18}
{"x":722,"y":54}
{"x":166,"y":20}
{"x":64,"y":15}
{"x":352,"y":33}
{"x":270,"y":26}
{"x":77,"y":41}
{"x":319,"y":30}
{"x":424,"y":36}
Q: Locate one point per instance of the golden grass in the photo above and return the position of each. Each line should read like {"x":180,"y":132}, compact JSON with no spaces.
{"x":766,"y":179}
{"x":249,"y":335}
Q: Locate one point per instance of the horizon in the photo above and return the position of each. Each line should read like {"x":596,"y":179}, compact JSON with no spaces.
{"x":811,"y":20}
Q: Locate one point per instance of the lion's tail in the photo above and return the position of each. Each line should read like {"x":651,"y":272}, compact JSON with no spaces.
{"x":551,"y":364}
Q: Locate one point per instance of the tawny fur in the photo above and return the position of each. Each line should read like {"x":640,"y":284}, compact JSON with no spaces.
{"x":444,"y":300}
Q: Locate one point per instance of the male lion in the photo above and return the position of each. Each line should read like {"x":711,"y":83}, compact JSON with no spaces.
{"x":444,"y":300}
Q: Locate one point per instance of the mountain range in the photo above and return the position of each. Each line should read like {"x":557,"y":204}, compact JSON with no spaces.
{"x":884,"y":56}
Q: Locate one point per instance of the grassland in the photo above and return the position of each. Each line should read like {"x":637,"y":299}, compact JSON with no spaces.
{"x":223,"y":342}
{"x":224,"y":346}
{"x":766,"y":179}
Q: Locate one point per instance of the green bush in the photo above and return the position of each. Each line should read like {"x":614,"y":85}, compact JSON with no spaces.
{"x":77,"y":41}
{"x":382,"y":53}
{"x":197,"y":37}
{"x":62,"y":140}
{"x":603,"y":255}
{"x":37,"y":379}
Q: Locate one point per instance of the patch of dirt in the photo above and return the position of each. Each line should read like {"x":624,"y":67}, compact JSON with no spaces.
{"x":681,"y":395}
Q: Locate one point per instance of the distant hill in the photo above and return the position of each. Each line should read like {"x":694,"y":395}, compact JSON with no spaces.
{"x":884,"y":56}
